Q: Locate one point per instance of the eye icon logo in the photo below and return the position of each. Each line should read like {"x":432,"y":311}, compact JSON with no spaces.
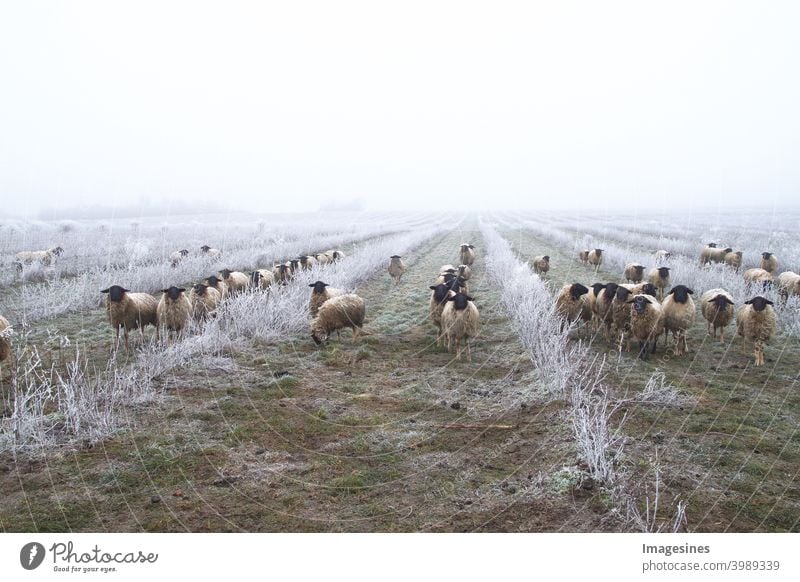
{"x":31,"y":555}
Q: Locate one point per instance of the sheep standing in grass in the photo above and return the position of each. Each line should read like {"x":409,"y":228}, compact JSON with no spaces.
{"x":204,"y":300}
{"x":621,"y":310}
{"x":5,"y":339}
{"x":569,"y":304}
{"x":322,"y":292}
{"x":334,"y":255}
{"x":789,"y":283}
{"x":466,"y":255}
{"x":769,"y":262}
{"x":261,"y":279}
{"x":634,"y":272}
{"x":659,"y":278}
{"x":734,"y":260}
{"x":216,"y":283}
{"x":465,"y":272}
{"x":716,"y":305}
{"x":439,"y":295}
{"x":757,"y":277}
{"x":595,"y":258}
{"x":130,"y":311}
{"x":583,"y":256}
{"x":541,"y":264}
{"x":756,"y":321}
{"x":235,"y":280}
{"x":338,"y":313}
{"x":602,"y":307}
{"x":662,"y":256}
{"x":679,"y":315}
{"x":45,"y":258}
{"x":590,"y":301}
{"x":176,"y":257}
{"x":211,"y":253}
{"x":307,"y":262}
{"x":282,"y":273}
{"x":460,"y":322}
{"x":647,"y":322}
{"x":711,"y":254}
{"x":174,"y":311}
{"x":396,"y":268}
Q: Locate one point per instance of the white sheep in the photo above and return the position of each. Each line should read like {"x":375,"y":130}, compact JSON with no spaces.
{"x":261,"y":279}
{"x":466,"y":255}
{"x":213,"y":254}
{"x":711,"y":254}
{"x":5,"y":339}
{"x":205,"y":301}
{"x":174,"y":311}
{"x":322,"y":258}
{"x":176,"y":257}
{"x":322,"y":292}
{"x":679,"y":316}
{"x":716,"y":305}
{"x":647,"y":322}
{"x":130,"y":311}
{"x":662,"y":256}
{"x":754,"y":276}
{"x":659,"y":278}
{"x":789,"y":283}
{"x":460,"y":322}
{"x":769,"y":262}
{"x":45,"y":258}
{"x":282,"y":273}
{"x":734,"y":259}
{"x":307,"y":262}
{"x":235,"y":280}
{"x":541,"y":264}
{"x":756,"y":321}
{"x":569,"y":304}
{"x":634,"y":272}
{"x":438,"y":300}
{"x":396,"y":268}
{"x":338,"y":313}
{"x":595,"y":258}
{"x":583,"y":256}
{"x":216,"y":283}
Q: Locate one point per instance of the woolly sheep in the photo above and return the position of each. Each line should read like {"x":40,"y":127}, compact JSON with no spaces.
{"x":602,"y":307}
{"x":282,"y":273}
{"x":466,"y":254}
{"x":460,"y":322}
{"x":438,"y":300}
{"x":5,"y":339}
{"x":679,"y":316}
{"x":174,"y":310}
{"x":634,"y":272}
{"x":307,"y":262}
{"x":44,"y":258}
{"x":396,"y":268}
{"x":338,"y":313}
{"x":334,"y":255}
{"x":322,"y":258}
{"x":176,"y":257}
{"x":569,"y":304}
{"x":595,"y":258}
{"x":210,"y":252}
{"x":716,"y":305}
{"x":711,"y":254}
{"x":734,"y":259}
{"x":753,"y":276}
{"x":789,"y":283}
{"x":659,"y":278}
{"x":590,"y":301}
{"x":756,"y":321}
{"x":769,"y":262}
{"x":261,"y":279}
{"x":465,"y":272}
{"x":235,"y":280}
{"x":447,"y":271}
{"x":621,"y":314}
{"x":584,"y":256}
{"x":647,"y":322}
{"x":541,"y":264}
{"x":130,"y":311}
{"x":322,"y":292}
{"x":216,"y":283}
{"x":204,"y":300}
{"x":662,"y":256}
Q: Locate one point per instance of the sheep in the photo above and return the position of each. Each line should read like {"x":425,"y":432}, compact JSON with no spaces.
{"x":711,"y":254}
{"x":453,"y":282}
{"x":634,"y":272}
{"x":716,"y":305}
{"x":235,"y":280}
{"x":174,"y":310}
{"x":541,"y":264}
{"x":621,"y":314}
{"x":205,"y":301}
{"x":130,"y":311}
{"x":769,"y":262}
{"x":460,"y":322}
{"x":439,"y":295}
{"x":647,"y":322}
{"x":569,"y":304}
{"x":44,"y":258}
{"x":282,"y":273}
{"x":211,"y":253}
{"x":583,"y":256}
{"x":465,"y":272}
{"x":466,"y":255}
{"x":396,"y":268}
{"x":789,"y":284}
{"x":679,"y":315}
{"x":338,"y":313}
{"x":590,"y":299}
{"x":734,"y":259}
{"x":446,"y":271}
{"x":334,"y":255}
{"x":307,"y":262}
{"x":662,"y":256}
{"x":321,"y":293}
{"x":659,"y":277}
{"x":216,"y":283}
{"x":602,"y":307}
{"x":176,"y":257}
{"x":261,"y":279}
{"x":753,"y":276}
{"x":756,"y":321}
{"x":295,"y":265}
{"x":595,"y":258}
{"x":5,"y":339}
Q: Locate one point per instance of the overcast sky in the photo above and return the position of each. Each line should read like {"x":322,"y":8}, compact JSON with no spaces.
{"x":286,"y":105}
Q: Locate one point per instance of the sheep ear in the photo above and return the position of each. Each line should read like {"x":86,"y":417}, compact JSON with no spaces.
{"x":433,"y":287}
{"x":728,"y":301}
{"x":469,"y":298}
{"x":770,"y":302}
{"x":181,"y":289}
{"x":451,"y":298}
{"x":748,"y":302}
{"x":312,"y":285}
{"x":671,"y":291}
{"x":105,"y":290}
{"x":690,"y":292}
{"x":164,"y":290}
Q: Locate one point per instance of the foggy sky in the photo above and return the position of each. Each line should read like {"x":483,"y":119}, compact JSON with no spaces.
{"x":289,"y":105}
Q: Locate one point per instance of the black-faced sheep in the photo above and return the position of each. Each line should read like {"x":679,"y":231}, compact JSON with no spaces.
{"x":282,"y":273}
{"x":307,"y":262}
{"x":734,"y":260}
{"x":716,"y":305}
{"x":235,"y":280}
{"x":583,"y":256}
{"x":176,"y":257}
{"x":711,"y":254}
{"x":334,"y":255}
{"x":679,"y":316}
{"x":769,"y":262}
{"x":659,"y":278}
{"x":396,"y":268}
{"x":595,"y":258}
{"x":338,"y":313}
{"x":460,"y":322}
{"x":465,"y":272}
{"x":466,"y":255}
{"x":789,"y":283}
{"x":174,"y":310}
{"x":647,"y":322}
{"x":569,"y":304}
{"x":205,"y":301}
{"x":211,"y":253}
{"x":261,"y":279}
{"x":662,"y":256}
{"x":322,"y":292}
{"x":602,"y":307}
{"x":756,"y":321}
{"x":439,"y":295}
{"x":130,"y":311}
{"x":216,"y":283}
{"x":757,"y":278}
{"x":634,"y":272}
{"x":541,"y":264}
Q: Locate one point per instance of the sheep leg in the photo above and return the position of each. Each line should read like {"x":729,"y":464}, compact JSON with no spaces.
{"x":469,"y":350}
{"x":355,"y":334}
{"x":127,"y":345}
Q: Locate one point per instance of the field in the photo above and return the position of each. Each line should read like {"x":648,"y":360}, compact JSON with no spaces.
{"x":245,"y":424}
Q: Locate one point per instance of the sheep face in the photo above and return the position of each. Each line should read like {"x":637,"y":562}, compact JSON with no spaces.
{"x":319,"y":287}
{"x":640,"y":305}
{"x":712,"y":245}
{"x":766,"y":256}
{"x":598,"y":252}
{"x":440,"y":292}
{"x":681,"y":293}
{"x":255,"y":277}
{"x":597,"y":288}
{"x":649,"y":289}
{"x":622,"y":294}
{"x":576,"y":290}
{"x":759,"y":303}
{"x":205,"y":248}
{"x":295,"y":263}
{"x":212,"y":281}
{"x":319,"y":336}
{"x":611,"y":289}
{"x":460,"y":300}
{"x":395,"y":257}
{"x":57,"y":251}
{"x":225,"y":273}
{"x":173,"y":292}
{"x":663,"y":272}
{"x":184,"y":252}
{"x":200,"y":289}
{"x":115,"y":293}
{"x":720,"y":301}
{"x":454,"y":282}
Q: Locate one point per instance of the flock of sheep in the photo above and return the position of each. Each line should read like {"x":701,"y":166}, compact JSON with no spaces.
{"x":643,"y":310}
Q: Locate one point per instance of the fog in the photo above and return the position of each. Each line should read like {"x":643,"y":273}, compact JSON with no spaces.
{"x":289,"y":106}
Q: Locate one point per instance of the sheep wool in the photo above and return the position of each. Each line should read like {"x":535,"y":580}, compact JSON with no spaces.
{"x":307,"y":262}
{"x":621,"y":314}
{"x":396,"y":268}
{"x":541,"y":264}
{"x":753,"y":276}
{"x":235,"y":280}
{"x":460,"y":322}
{"x":647,"y":322}
{"x":439,"y":295}
{"x":734,"y":260}
{"x":5,"y":339}
{"x":44,"y":258}
{"x":634,"y":272}
{"x":176,"y":257}
{"x":211,"y":253}
{"x":129,"y":311}
{"x":322,"y":292}
{"x":569,"y":304}
{"x":789,"y":283}
{"x":756,"y":322}
{"x":174,"y":310}
{"x":261,"y":279}
{"x":716,"y":305}
{"x":338,"y":313}
{"x":595,"y":258}
{"x":659,"y":278}
{"x":466,"y":254}
{"x":583,"y":256}
{"x":216,"y":283}
{"x":679,"y":316}
{"x":204,"y":300}
{"x":711,"y":254}
{"x":465,"y":272}
{"x":769,"y":262}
